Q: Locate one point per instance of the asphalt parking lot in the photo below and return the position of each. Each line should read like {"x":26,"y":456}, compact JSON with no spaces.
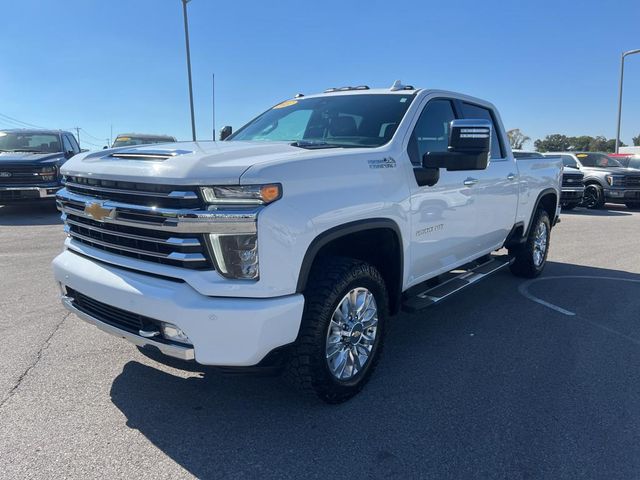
{"x":511,"y":379}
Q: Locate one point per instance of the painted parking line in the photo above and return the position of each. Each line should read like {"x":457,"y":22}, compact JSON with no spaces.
{"x":524,"y":290}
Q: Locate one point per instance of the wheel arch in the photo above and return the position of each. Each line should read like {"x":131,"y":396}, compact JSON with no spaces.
{"x":361,"y":239}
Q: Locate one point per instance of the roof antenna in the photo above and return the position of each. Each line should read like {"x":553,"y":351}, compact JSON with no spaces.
{"x":397,"y":85}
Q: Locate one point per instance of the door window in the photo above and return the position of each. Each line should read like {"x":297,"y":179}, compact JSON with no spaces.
{"x":431,"y":133}
{"x":66,"y":144}
{"x":74,"y":144}
{"x":474,"y":111}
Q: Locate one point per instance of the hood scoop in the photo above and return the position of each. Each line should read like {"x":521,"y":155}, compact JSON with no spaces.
{"x":155,"y":155}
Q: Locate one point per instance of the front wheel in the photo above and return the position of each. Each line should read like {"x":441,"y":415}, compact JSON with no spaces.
{"x":340,"y":340}
{"x":593,"y":197}
{"x":529,"y":258}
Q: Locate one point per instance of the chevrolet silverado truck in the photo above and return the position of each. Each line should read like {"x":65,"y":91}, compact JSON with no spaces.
{"x":606,"y":180}
{"x":572,"y":192}
{"x":295,"y":241}
{"x":30,"y":162}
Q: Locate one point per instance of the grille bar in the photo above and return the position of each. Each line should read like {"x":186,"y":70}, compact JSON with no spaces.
{"x":179,"y":195}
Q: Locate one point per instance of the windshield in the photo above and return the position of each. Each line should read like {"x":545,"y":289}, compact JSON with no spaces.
{"x":32,"y":142}
{"x":330,"y":121}
{"x":129,"y":140}
{"x":597,"y":160}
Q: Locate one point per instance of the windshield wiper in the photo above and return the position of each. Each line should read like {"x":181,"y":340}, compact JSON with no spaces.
{"x":25,"y":150}
{"x":320,"y":144}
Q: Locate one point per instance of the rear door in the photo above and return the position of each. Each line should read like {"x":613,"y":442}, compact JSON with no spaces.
{"x":496,"y":190}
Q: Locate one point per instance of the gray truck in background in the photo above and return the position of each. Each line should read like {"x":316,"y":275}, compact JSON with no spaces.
{"x":606,"y":180}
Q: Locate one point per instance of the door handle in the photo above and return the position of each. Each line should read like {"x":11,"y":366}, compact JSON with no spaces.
{"x":511,"y":176}
{"x":469,"y":182}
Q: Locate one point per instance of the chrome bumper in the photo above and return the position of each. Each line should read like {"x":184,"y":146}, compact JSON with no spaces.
{"x":43,"y":192}
{"x":176,"y":351}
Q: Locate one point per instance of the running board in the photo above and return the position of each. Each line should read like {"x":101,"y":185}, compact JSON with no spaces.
{"x":455,"y":281}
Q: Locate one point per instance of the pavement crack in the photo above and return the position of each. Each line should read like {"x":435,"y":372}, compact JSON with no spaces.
{"x":37,"y":359}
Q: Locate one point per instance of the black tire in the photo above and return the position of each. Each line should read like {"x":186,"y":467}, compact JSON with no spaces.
{"x":307,"y":367}
{"x":633,"y":205}
{"x":523,"y":256}
{"x":593,"y":196}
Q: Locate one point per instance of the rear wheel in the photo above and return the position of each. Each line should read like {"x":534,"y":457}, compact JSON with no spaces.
{"x":340,"y":341}
{"x":529,"y":258}
{"x":593,"y":196}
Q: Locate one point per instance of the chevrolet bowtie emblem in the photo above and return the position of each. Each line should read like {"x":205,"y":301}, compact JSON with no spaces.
{"x":96,"y":211}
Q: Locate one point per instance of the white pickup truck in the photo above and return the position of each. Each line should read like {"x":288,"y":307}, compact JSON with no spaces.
{"x":293,"y":242}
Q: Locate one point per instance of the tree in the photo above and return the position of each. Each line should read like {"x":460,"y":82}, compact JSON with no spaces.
{"x":636,"y":141}
{"x":581,"y":143}
{"x":517,"y":139}
{"x":553,"y":143}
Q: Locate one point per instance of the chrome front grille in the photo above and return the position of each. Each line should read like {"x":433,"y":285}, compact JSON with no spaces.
{"x":162,"y":224}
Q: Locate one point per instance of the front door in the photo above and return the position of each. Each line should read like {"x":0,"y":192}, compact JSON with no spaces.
{"x":443,"y":216}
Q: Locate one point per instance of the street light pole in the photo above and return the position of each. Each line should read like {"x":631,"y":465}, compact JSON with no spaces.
{"x":625,"y":54}
{"x":186,"y":39}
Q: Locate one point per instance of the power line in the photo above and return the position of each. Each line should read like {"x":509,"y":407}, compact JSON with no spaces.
{"x":91,"y":136}
{"x":15,"y":120}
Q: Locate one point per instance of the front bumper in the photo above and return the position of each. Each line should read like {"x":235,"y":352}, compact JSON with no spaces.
{"x":223,"y":331}
{"x":28,"y":193}
{"x":571,"y":195}
{"x":621,"y":195}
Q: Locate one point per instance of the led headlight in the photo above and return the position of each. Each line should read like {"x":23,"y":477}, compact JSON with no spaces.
{"x":615,"y":180}
{"x":242,"y":194}
{"x":236,"y":255}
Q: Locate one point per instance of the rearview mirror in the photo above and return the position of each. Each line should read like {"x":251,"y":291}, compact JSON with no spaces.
{"x":225,"y":132}
{"x":469,"y":147}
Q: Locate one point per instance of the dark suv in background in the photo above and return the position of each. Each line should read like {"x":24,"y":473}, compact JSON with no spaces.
{"x":30,"y":163}
{"x":605,"y":178}
{"x":572,"y":189}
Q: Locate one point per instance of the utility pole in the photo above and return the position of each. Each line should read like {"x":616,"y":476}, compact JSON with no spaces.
{"x":78,"y":135}
{"x":625,"y":54}
{"x":213,"y":104}
{"x":186,"y":39}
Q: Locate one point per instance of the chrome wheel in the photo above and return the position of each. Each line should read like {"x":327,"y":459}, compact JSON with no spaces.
{"x":351,"y":334}
{"x":540,"y":241}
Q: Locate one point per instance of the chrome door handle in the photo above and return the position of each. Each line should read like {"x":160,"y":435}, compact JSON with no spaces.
{"x":511,"y":176}
{"x":469,"y":182}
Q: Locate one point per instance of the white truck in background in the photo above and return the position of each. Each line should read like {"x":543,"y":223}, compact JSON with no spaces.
{"x":293,"y":242}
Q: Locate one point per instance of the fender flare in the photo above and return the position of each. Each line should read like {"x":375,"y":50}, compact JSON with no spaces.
{"x":518,"y":235}
{"x":343,"y":230}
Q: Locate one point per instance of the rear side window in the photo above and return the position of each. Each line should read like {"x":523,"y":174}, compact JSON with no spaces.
{"x":474,"y":111}
{"x":568,"y":161}
{"x":431,"y":133}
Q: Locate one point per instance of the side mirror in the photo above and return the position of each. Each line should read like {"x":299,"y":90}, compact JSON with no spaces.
{"x":105,"y":147}
{"x":225,"y":132}
{"x":469,"y":147}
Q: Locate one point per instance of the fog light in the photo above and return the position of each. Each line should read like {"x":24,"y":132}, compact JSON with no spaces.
{"x":171,"y":332}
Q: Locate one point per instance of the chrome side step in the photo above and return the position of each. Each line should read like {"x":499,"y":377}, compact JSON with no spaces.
{"x":454,"y":281}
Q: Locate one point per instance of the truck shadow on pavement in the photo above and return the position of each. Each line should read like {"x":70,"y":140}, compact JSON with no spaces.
{"x":34,"y":213}
{"x":607,"y":211}
{"x":489,"y":385}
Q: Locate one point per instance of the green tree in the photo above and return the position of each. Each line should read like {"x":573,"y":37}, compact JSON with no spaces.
{"x":636,"y":141}
{"x":553,"y":143}
{"x":517,"y":139}
{"x":581,"y":143}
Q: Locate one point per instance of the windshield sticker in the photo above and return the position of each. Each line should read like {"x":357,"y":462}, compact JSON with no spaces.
{"x":387,"y":162}
{"x":288,"y":103}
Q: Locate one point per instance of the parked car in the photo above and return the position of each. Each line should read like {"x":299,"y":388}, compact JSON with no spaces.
{"x":30,"y":162}
{"x":131,"y":139}
{"x":572,"y":180}
{"x":627,"y":160}
{"x":292,"y":242}
{"x":605,"y":179}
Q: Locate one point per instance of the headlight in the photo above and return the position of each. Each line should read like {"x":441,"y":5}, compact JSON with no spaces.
{"x":242,"y":194}
{"x":615,"y":180}
{"x":236,"y":255}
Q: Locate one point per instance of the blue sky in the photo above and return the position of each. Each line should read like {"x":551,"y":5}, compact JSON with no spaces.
{"x":549,"y":66}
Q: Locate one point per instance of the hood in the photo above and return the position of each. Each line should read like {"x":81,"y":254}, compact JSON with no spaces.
{"x":613,"y":170}
{"x":24,"y":158}
{"x":182,"y":163}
